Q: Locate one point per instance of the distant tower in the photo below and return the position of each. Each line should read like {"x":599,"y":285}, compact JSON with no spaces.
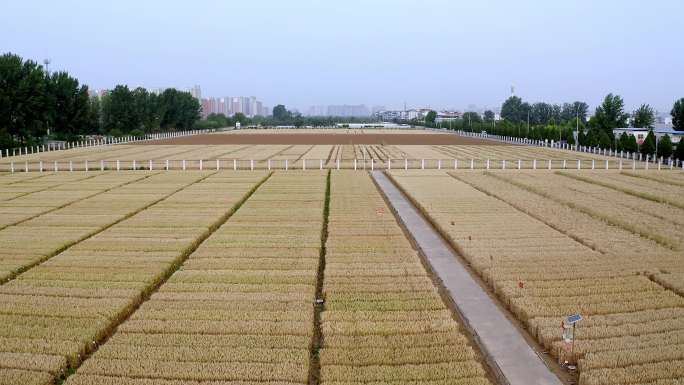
{"x":512,"y":90}
{"x":47,"y":65}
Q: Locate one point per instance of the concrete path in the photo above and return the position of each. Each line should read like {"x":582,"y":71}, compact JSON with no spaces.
{"x":507,"y":352}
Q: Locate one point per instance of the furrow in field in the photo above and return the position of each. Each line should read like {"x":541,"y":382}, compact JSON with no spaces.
{"x":542,"y":275}
{"x":111,"y":272}
{"x":384,"y":320}
{"x":239,"y":309}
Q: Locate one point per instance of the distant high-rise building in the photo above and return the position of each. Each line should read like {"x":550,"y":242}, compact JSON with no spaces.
{"x":235,"y":104}
{"x":317,"y":111}
{"x":348,"y":110}
{"x":231,"y":105}
{"x":253,"y":106}
{"x":196,"y":92}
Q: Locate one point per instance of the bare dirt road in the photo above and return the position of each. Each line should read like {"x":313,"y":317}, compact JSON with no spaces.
{"x":277,"y":138}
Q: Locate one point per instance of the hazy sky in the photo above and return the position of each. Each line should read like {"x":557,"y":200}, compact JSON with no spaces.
{"x":426,"y":53}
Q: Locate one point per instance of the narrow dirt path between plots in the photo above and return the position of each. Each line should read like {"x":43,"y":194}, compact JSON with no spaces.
{"x":507,"y":352}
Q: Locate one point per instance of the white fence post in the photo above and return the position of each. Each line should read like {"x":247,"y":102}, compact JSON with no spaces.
{"x":286,"y":165}
{"x":218,"y":165}
{"x":320,"y":164}
{"x":12,"y":166}
{"x":151,"y":165}
{"x":134,"y":165}
{"x":487,"y":163}
{"x":251,"y":164}
{"x":166,"y":164}
{"x":183,"y":164}
{"x":519,"y":164}
{"x":405,"y":164}
{"x":337,"y":161}
{"x":422,"y":164}
{"x":201,"y":166}
{"x":549,"y":164}
{"x":372,"y":165}
{"x":235,"y":164}
{"x":593,"y":164}
{"x":56,"y":166}
{"x":472,"y":163}
{"x":303,"y":164}
{"x":354,"y":163}
{"x":534,"y":164}
{"x":86,"y":165}
{"x":71,"y":165}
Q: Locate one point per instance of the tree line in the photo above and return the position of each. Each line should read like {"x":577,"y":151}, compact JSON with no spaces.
{"x":543,"y":121}
{"x":36,"y":105}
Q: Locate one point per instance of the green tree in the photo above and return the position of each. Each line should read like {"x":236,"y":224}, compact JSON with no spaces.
{"x":627,"y":143}
{"x":118,"y":111}
{"x":240,"y":117}
{"x":604,"y":140}
{"x":581,"y":138}
{"x":678,"y":115}
{"x":68,"y":106}
{"x":610,"y":115}
{"x":180,"y":110}
{"x":643,"y":117}
{"x":679,"y":152}
{"x":632,"y":145}
{"x":280,"y":113}
{"x":23,"y":110}
{"x":649,"y":144}
{"x":430,"y":117}
{"x":665,"y":146}
{"x":514,"y":110}
{"x":570,"y":112}
{"x":94,"y":115}
{"x":489,"y":116}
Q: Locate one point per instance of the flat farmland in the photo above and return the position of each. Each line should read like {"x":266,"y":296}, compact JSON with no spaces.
{"x":206,"y":275}
{"x":604,"y":244}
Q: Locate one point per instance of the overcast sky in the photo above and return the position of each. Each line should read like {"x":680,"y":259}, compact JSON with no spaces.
{"x":378,"y":52}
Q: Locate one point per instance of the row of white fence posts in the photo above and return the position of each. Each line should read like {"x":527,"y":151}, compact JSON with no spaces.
{"x":184,"y":166}
{"x":29,"y":150}
{"x":577,"y":148}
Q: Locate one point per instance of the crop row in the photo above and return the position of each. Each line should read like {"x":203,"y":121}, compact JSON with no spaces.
{"x":240,"y":308}
{"x":57,"y":312}
{"x":546,"y":268}
{"x":656,"y":221}
{"x":384,"y":320}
